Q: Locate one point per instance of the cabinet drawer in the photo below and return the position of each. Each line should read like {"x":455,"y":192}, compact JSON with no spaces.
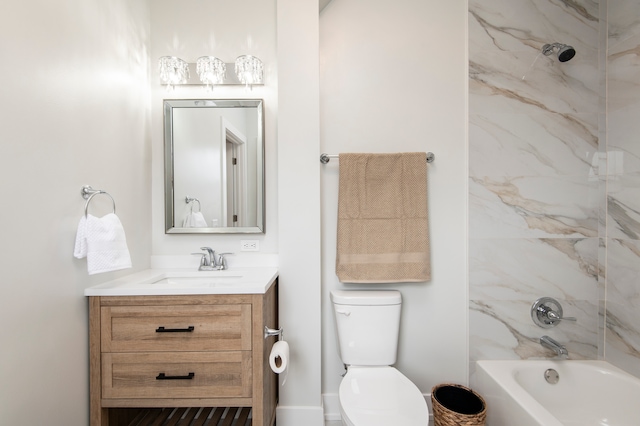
{"x":176,"y":328}
{"x":176,"y":375}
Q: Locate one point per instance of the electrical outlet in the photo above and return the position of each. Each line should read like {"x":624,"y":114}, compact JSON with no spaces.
{"x":249,"y":245}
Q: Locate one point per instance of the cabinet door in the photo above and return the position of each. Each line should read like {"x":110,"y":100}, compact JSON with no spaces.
{"x":176,"y":375}
{"x":176,"y":328}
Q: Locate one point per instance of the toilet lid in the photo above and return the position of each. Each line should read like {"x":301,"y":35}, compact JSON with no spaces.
{"x":381,"y":396}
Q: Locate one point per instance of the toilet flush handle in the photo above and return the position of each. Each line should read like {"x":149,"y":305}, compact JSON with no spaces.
{"x":345,"y":313}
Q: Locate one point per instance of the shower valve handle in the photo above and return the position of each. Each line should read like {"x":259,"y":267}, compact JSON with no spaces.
{"x":551,"y":314}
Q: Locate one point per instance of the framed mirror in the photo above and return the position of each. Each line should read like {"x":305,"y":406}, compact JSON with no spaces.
{"x":214,"y":166}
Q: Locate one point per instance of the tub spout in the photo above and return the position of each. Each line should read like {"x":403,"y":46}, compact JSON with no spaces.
{"x":550,"y":343}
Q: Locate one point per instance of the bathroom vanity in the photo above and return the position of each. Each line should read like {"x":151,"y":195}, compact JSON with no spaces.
{"x":168,"y":343}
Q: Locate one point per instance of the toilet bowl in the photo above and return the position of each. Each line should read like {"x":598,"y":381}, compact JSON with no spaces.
{"x":381,"y":396}
{"x":373,"y":393}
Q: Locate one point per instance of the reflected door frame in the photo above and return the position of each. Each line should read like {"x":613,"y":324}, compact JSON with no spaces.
{"x":234,"y":166}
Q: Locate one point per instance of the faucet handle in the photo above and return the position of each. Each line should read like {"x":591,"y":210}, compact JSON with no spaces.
{"x":553,"y":315}
{"x":222,"y":260}
{"x":203,"y":258}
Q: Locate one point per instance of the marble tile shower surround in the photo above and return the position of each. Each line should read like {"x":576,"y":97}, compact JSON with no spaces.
{"x":623,"y":211}
{"x":500,"y":330}
{"x":622,"y":345}
{"x":535,"y":188}
{"x":623,"y":85}
{"x":623,"y":299}
{"x":518,"y":269}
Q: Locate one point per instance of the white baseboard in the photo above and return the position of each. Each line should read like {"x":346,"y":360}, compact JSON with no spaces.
{"x":297,"y":416}
{"x":331,"y":405}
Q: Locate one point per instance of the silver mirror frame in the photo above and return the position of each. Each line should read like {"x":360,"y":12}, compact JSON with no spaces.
{"x":169,"y":213}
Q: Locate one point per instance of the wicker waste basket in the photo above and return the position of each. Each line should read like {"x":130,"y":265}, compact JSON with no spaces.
{"x":456,"y":405}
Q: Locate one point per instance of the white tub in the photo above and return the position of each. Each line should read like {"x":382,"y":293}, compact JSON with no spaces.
{"x":588,"y":393}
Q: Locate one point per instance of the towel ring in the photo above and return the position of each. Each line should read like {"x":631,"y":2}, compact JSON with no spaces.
{"x":88,"y":193}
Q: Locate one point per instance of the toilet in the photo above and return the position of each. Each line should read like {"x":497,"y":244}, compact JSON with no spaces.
{"x":372,"y":392}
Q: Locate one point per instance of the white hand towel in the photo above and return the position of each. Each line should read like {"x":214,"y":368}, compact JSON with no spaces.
{"x":102,"y":241}
{"x":194,"y":220}
{"x":198,"y":220}
{"x":80,"y":249}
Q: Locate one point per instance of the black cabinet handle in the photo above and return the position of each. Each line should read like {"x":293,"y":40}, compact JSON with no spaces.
{"x":163,"y":376}
{"x":175,"y":330}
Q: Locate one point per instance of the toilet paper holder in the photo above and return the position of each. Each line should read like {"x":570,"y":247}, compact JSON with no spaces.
{"x":268,"y":332}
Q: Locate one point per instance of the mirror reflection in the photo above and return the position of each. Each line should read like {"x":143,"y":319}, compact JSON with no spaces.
{"x":214,"y":166}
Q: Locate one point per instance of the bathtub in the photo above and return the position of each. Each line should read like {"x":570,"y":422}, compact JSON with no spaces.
{"x":588,"y":393}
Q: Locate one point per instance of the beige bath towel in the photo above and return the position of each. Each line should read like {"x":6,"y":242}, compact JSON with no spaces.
{"x":383,"y":232}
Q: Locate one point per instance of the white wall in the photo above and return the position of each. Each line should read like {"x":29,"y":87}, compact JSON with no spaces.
{"x":190,"y":29}
{"x":393,"y":78}
{"x":299,"y":209}
{"x":74,"y":105}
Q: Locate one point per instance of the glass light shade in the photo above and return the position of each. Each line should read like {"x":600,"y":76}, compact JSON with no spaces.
{"x":249,"y":70}
{"x":211,"y":71}
{"x":173,"y":71}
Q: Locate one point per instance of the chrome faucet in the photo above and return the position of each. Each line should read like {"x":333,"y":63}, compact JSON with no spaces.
{"x":210,"y":261}
{"x":552,"y":344}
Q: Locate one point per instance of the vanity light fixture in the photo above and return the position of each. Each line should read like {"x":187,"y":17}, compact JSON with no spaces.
{"x":173,"y":70}
{"x":249,"y":70}
{"x":211,"y":71}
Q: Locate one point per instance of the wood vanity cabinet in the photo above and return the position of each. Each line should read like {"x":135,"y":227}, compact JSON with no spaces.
{"x":150,"y":352}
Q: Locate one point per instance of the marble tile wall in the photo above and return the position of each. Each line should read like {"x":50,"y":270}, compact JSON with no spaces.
{"x":536,"y":182}
{"x":623,"y":190}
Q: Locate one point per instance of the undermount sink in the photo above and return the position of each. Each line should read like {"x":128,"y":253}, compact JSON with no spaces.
{"x":175,"y":282}
{"x":225,"y":273}
{"x":197,"y":281}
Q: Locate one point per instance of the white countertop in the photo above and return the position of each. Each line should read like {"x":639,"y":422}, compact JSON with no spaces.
{"x":160,"y":282}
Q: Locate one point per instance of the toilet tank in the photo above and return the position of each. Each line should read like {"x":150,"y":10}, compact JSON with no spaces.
{"x":368,"y":323}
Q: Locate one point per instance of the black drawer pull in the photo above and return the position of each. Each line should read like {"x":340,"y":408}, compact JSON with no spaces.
{"x":175,"y":330}
{"x":163,"y":376}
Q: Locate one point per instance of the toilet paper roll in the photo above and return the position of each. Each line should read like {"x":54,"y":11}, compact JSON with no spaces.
{"x":279,"y":359}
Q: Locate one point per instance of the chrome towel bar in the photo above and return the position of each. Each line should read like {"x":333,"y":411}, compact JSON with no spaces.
{"x":325,"y":158}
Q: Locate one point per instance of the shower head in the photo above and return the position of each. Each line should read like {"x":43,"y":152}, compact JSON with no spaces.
{"x":564,"y":51}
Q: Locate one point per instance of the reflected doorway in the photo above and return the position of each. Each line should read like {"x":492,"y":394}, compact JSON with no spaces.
{"x":235,"y":214}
